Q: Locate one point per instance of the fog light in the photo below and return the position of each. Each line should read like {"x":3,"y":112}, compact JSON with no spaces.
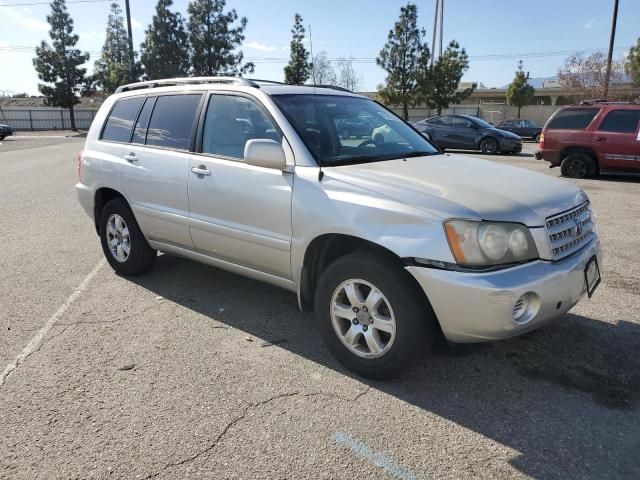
{"x":525,"y":307}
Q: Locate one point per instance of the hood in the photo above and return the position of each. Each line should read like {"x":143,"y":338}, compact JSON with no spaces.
{"x":456,"y":186}
{"x":505,"y":133}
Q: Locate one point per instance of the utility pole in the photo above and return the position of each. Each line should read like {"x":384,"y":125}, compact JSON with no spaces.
{"x":612,"y":39}
{"x":433,"y":38}
{"x":128,"y":12}
{"x":442,"y":23}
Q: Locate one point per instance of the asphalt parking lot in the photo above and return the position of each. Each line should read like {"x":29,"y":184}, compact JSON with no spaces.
{"x":192,"y":372}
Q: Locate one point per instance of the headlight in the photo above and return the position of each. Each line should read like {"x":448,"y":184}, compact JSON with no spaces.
{"x":479,"y":244}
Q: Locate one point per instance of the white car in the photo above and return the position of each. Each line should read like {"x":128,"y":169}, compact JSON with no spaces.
{"x":387,"y":239}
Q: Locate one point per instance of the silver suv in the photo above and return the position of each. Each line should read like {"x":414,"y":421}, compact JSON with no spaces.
{"x":389,"y":240}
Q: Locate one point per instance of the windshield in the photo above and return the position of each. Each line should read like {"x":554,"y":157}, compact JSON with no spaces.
{"x":480,"y":122}
{"x":340,"y":130}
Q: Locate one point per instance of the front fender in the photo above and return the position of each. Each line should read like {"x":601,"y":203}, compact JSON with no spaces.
{"x":330,"y":206}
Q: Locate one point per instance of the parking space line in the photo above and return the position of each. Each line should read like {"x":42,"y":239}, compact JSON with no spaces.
{"x":363,"y":450}
{"x":35,"y":343}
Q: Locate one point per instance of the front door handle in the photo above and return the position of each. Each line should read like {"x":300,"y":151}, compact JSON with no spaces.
{"x":131,"y":157}
{"x":601,"y":139}
{"x":201,"y":171}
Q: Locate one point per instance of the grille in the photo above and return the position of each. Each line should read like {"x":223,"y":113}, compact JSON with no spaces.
{"x":570,"y":230}
{"x":518,"y":308}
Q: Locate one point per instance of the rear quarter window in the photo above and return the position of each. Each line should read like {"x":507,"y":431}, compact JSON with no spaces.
{"x":172,"y":121}
{"x":621,"y":121}
{"x":121,"y":119}
{"x":572,"y":118}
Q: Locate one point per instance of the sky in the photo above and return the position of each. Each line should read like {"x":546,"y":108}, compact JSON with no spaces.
{"x":495,"y":33}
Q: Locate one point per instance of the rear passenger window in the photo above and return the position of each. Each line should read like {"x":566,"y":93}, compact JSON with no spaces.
{"x":621,"y":121}
{"x":172,"y":121}
{"x":232,"y":121}
{"x":120,"y":121}
{"x":573,"y":118}
{"x":140,"y":132}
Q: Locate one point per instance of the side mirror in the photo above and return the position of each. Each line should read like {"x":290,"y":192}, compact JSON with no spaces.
{"x":265,"y":153}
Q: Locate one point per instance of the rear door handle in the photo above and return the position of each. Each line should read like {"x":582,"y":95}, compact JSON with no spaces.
{"x":201,"y":171}
{"x":131,"y":157}
{"x":601,"y":139}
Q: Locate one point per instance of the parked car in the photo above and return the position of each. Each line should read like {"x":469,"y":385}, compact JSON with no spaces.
{"x":387,"y":241}
{"x":522,"y":127}
{"x":593,"y":137}
{"x":360,"y":127}
{"x":5,"y":131}
{"x":469,"y":133}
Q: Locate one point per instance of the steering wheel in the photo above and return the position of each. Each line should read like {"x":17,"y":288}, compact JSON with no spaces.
{"x":367,"y":142}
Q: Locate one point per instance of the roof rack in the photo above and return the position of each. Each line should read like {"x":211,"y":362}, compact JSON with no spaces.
{"x":593,"y":100}
{"x":269,"y":82}
{"x":169,"y":82}
{"x":332,"y":87}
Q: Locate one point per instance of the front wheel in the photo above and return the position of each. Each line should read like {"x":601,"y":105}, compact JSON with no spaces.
{"x":372,"y":316}
{"x":489,"y":146}
{"x":537,"y":138}
{"x":123,"y":243}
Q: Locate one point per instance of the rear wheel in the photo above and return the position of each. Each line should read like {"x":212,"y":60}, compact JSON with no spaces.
{"x":489,"y":146}
{"x":578,"y":165}
{"x":123,"y":243}
{"x":372,"y":316}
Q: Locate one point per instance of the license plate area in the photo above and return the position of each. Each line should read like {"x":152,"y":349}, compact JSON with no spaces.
{"x":592,"y":275}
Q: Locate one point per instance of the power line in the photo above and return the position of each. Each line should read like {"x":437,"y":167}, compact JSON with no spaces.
{"x":31,"y":4}
{"x":365,"y":60}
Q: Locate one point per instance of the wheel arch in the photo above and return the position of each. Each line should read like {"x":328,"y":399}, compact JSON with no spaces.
{"x":487,"y":136}
{"x":565,"y":152}
{"x":103,"y":196}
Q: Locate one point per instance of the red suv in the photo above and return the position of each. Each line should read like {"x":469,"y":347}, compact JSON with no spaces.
{"x":593,"y":137}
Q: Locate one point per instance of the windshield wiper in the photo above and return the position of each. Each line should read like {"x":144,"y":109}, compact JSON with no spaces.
{"x":375,"y":158}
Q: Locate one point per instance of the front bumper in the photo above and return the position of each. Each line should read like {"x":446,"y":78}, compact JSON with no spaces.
{"x":478,"y":307}
{"x":509,"y":145}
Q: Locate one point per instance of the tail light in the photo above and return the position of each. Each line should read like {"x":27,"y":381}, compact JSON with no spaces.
{"x":79,"y":160}
{"x":542,"y":140}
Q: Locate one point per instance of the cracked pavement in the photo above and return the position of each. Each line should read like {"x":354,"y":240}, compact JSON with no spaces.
{"x":167,"y":375}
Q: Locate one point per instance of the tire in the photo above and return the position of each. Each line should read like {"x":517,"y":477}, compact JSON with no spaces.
{"x":1,"y":137}
{"x":578,"y":165}
{"x":140,"y":256}
{"x":537,"y":138}
{"x":408,"y":310}
{"x":489,"y":146}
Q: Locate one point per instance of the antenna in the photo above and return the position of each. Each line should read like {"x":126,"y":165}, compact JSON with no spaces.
{"x":315,"y":101}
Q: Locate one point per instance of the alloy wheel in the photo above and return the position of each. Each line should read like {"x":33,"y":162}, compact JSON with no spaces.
{"x":362,"y":318}
{"x":118,"y":239}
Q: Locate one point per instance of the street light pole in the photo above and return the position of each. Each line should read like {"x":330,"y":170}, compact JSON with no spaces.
{"x":128,"y":12}
{"x":442,"y":23}
{"x":611,"y":42}
{"x":433,"y":37}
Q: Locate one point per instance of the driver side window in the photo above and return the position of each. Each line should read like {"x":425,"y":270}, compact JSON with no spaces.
{"x":231,"y":121}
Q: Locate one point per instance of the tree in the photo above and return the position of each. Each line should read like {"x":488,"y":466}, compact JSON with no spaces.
{"x":114,"y":67}
{"x":586,"y":76}
{"x":347,"y":75}
{"x":632,"y":65}
{"x":59,"y":64}
{"x":519,"y":92}
{"x":214,"y":39}
{"x":404,"y":57}
{"x":165,"y":50}
{"x":299,"y":68}
{"x":322,"y":69}
{"x":439,"y":84}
